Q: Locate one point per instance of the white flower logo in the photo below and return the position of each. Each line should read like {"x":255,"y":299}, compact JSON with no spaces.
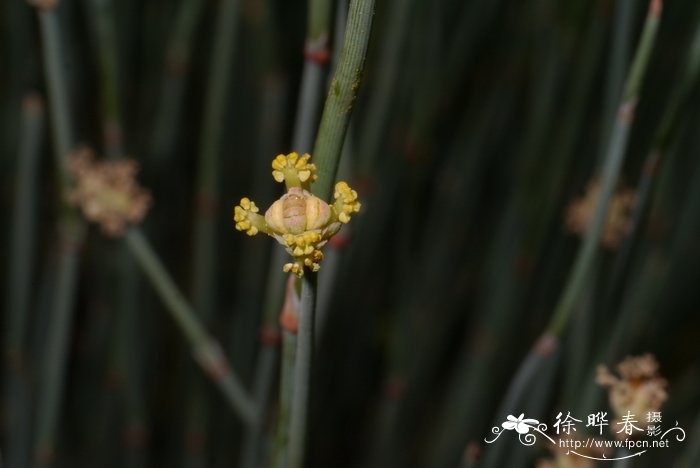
{"x":522,"y":426}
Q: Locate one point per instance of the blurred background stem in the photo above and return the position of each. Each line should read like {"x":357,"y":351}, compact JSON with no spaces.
{"x":17,"y":390}
{"x":71,"y":231}
{"x":207,"y":213}
{"x":327,"y":150}
{"x":207,"y":351}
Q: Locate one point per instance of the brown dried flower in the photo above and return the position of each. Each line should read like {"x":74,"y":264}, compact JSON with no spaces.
{"x":579,"y":214}
{"x":639,"y":389}
{"x":107,"y":192}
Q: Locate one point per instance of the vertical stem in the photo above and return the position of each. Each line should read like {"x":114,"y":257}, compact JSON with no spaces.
{"x":19,"y":303}
{"x":327,"y":151}
{"x":21,"y":249}
{"x":341,"y":96}
{"x":206,"y":214}
{"x":101,"y":14}
{"x":177,"y":64}
{"x":316,"y":56}
{"x":625,"y":12}
{"x":209,"y":152}
{"x":302,"y":372}
{"x":55,"y":359}
{"x":611,"y":170}
{"x":384,"y":89}
{"x":253,"y":302}
{"x":290,"y":321}
{"x":71,"y":232}
{"x":59,"y":110}
{"x":289,"y":348}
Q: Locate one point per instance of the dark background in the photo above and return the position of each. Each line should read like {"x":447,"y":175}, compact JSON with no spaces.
{"x":477,"y":124}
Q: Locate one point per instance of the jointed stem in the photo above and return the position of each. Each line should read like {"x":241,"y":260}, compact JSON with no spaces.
{"x":341,"y":96}
{"x":71,"y":231}
{"x":327,"y":151}
{"x":206,"y":349}
{"x":611,"y":170}
{"x":302,"y":372}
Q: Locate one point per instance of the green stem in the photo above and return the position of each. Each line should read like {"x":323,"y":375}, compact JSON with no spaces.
{"x":341,"y":96}
{"x":207,"y":351}
{"x":206,"y":216}
{"x":302,"y":372}
{"x":618,"y":64}
{"x":102,"y":15}
{"x":55,"y":358}
{"x":71,"y":236}
{"x":316,"y":55}
{"x":61,"y":130}
{"x":327,"y":151}
{"x":611,"y":170}
{"x":384,"y":90}
{"x":19,"y":296}
{"x":289,"y":349}
{"x":587,"y":253}
{"x":177,"y":64}
{"x":21,"y":244}
{"x":256,"y":266}
{"x":666,"y":130}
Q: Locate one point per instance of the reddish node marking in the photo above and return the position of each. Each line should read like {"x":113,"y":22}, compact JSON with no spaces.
{"x":546,"y":344}
{"x":339,"y":241}
{"x":136,"y":438}
{"x":289,"y":321}
{"x":206,"y":206}
{"x":270,"y":336}
{"x":394,"y":387}
{"x":317,"y":55}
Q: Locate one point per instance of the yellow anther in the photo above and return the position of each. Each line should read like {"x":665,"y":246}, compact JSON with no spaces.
{"x":295,"y":171}
{"x":246,"y":218}
{"x":345,"y":201}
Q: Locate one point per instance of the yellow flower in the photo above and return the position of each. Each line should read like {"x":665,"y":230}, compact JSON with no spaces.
{"x":299,"y":220}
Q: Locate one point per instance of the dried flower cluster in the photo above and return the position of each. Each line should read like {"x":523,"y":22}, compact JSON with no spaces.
{"x":107,"y":192}
{"x":299,"y":220}
{"x":639,"y":389}
{"x":579,"y":214}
